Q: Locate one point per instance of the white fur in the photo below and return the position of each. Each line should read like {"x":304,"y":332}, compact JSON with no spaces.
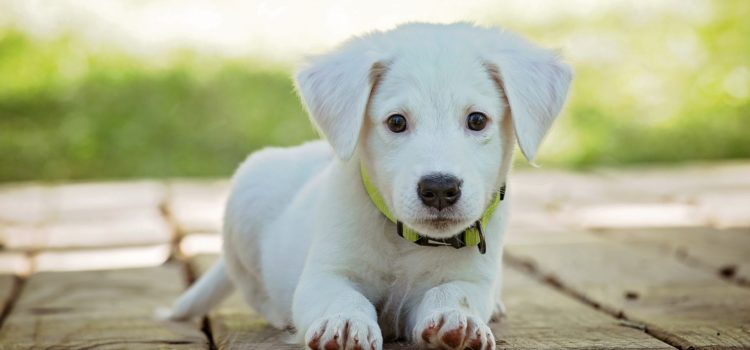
{"x":303,"y":241}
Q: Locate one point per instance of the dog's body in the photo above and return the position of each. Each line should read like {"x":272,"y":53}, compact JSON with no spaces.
{"x":302,"y":238}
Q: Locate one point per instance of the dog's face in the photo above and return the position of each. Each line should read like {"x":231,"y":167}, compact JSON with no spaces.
{"x":435,"y":111}
{"x":433,"y":140}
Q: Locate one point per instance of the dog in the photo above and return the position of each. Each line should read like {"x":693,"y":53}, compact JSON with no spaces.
{"x":392,"y":227}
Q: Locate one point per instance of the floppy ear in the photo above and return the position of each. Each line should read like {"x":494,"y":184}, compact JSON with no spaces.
{"x":335,"y":89}
{"x":535,"y":83}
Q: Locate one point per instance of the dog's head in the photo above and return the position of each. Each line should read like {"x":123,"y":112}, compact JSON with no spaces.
{"x":433,"y":111}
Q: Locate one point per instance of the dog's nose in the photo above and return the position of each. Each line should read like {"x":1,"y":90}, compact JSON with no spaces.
{"x":439,"y":190}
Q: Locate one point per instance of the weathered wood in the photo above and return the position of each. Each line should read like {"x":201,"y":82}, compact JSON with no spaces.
{"x":101,"y":259}
{"x":686,"y":306}
{"x":523,"y":237}
{"x":132,"y":227}
{"x":7,"y":284}
{"x":28,"y":204}
{"x":102,"y":310}
{"x":725,"y":209}
{"x":234,"y":325}
{"x":200,"y":244}
{"x":542,"y":318}
{"x":15,"y":263}
{"x":197,"y":206}
{"x":724,"y":252}
{"x":539,"y":318}
{"x":81,"y":200}
{"x":636,"y":215}
{"x":82,"y":216}
{"x":677,"y":182}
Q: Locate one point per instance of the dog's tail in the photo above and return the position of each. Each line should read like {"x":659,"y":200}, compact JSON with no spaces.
{"x":207,"y":292}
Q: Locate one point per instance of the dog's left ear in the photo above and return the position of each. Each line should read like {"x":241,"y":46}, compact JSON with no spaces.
{"x":335,"y":88}
{"x":535,"y":83}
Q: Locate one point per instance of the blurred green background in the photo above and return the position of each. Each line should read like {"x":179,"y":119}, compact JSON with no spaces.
{"x":655,"y":86}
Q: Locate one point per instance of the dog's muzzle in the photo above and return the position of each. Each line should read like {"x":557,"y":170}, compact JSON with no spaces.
{"x":471,"y":236}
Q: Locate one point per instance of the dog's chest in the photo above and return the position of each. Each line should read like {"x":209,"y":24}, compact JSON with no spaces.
{"x":408,"y":276}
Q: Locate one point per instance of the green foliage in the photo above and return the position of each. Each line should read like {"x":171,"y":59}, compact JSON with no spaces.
{"x":70,"y":116}
{"x":661,"y":89}
{"x":647,"y":89}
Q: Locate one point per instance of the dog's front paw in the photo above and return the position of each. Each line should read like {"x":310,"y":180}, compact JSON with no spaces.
{"x":453,"y":329}
{"x":344,"y":332}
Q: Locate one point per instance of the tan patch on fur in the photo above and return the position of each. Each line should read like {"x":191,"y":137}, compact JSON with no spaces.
{"x":508,"y":132}
{"x":377,"y":71}
{"x":497,"y":78}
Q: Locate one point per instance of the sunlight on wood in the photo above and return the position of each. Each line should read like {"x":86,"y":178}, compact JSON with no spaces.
{"x":639,"y":215}
{"x":104,"y":259}
{"x":15,"y":263}
{"x":201,"y":243}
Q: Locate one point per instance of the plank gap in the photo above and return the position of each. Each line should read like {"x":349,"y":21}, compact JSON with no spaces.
{"x":727,"y":273}
{"x":529,"y":268}
{"x":176,"y":253}
{"x":731,"y":271}
{"x":190,"y":277}
{"x":15,"y":294}
{"x":206,"y":328}
{"x":174,"y":230}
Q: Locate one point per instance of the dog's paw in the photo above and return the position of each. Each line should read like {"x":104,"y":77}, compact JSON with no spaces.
{"x":453,"y":329}
{"x":344,"y":332}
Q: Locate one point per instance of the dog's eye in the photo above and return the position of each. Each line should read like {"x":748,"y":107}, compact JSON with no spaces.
{"x":397,"y":123}
{"x":476,"y":121}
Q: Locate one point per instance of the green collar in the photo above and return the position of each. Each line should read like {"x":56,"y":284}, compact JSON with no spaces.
{"x":472,"y":236}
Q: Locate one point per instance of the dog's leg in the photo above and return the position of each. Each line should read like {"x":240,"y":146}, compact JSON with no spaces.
{"x":452,"y":316}
{"x":333,"y":315}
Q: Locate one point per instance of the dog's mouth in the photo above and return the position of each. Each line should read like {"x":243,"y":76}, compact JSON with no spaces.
{"x":442,"y":223}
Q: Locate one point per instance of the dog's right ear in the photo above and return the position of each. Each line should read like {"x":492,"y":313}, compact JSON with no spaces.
{"x":534,"y":83}
{"x":335,"y":88}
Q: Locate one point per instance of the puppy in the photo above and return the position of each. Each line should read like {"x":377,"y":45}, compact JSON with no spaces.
{"x":392,"y":227}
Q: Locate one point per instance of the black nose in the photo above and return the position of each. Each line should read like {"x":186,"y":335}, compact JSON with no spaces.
{"x":439,"y":190}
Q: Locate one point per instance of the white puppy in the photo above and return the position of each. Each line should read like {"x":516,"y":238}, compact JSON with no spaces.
{"x":421,"y":123}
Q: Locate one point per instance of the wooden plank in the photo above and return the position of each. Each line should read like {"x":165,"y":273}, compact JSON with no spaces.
{"x":637,"y":214}
{"x":201,"y":244}
{"x":36,"y":202}
{"x":82,"y":215}
{"x":542,"y":318}
{"x":678,"y":182}
{"x":15,"y":263}
{"x":198,"y":206}
{"x":539,"y":318}
{"x":7,"y":284}
{"x":726,"y":209}
{"x":132,"y":227}
{"x":80,"y":200}
{"x":103,"y":309}
{"x":686,"y":306}
{"x":234,"y":325}
{"x":725,"y":252}
{"x":101,"y":259}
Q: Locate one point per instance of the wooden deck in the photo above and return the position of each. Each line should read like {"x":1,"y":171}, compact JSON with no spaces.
{"x":610,"y":259}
